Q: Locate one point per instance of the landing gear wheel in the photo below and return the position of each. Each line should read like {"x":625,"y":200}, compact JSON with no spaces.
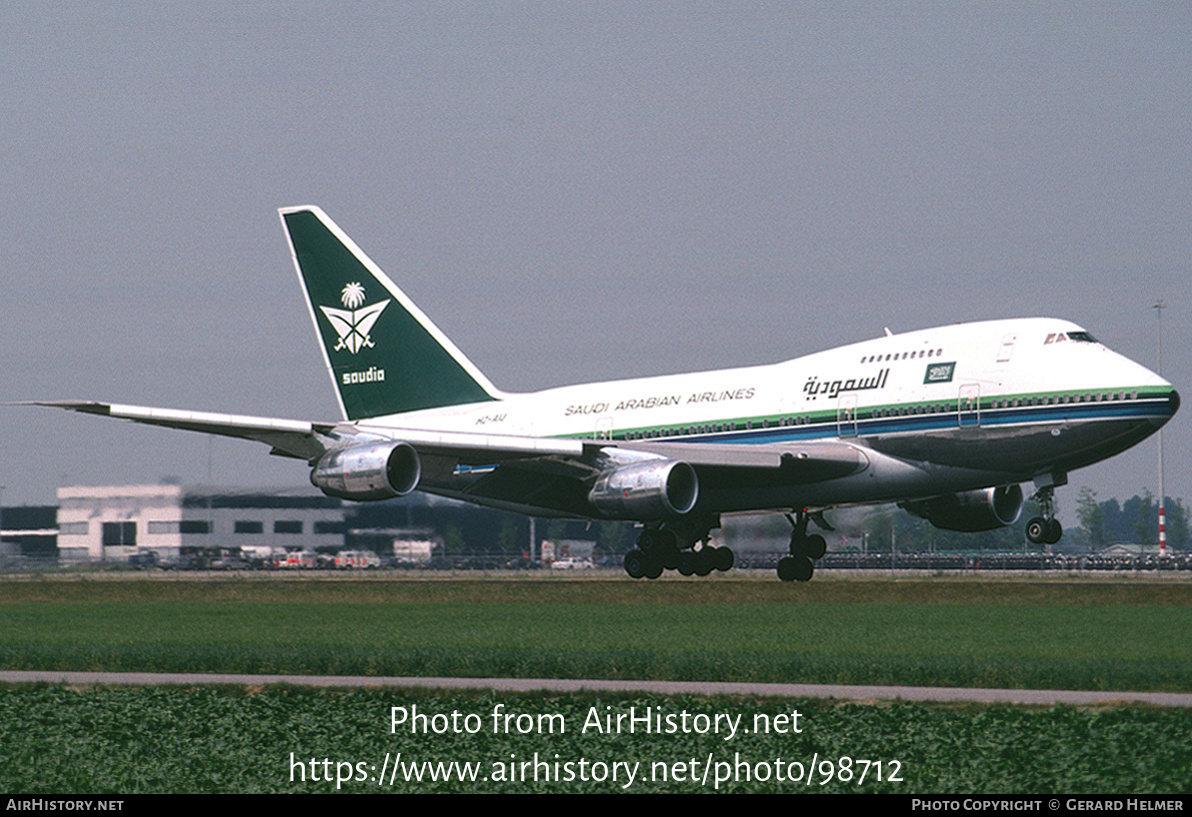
{"x":723,"y":559}
{"x":786,"y":569}
{"x":635,"y":563}
{"x":795,"y":569}
{"x":1036,"y":530}
{"x":651,"y":541}
{"x":653,"y":568}
{"x":804,"y":569}
{"x":686,"y":562}
{"x":660,"y":546}
{"x":1054,"y":531}
{"x":669,"y":553}
{"x":815,"y":546}
{"x":703,"y":562}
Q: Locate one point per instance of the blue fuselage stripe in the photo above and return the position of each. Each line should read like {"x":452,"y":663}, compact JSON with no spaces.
{"x":918,"y":423}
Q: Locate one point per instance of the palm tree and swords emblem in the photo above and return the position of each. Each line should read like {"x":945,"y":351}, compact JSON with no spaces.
{"x":354,"y":323}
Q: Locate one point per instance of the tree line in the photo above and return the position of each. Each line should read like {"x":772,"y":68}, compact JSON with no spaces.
{"x":1134,"y":521}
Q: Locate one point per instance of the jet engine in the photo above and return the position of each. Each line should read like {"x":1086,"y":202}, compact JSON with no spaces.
{"x":379,"y":470}
{"x":970,"y":511}
{"x":647,"y":490}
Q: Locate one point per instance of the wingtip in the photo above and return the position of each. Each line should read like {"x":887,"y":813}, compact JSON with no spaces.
{"x":87,"y":406}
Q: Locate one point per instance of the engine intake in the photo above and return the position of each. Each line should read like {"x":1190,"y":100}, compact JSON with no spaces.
{"x":380,"y":470}
{"x":971,"y":511}
{"x":646,"y":491}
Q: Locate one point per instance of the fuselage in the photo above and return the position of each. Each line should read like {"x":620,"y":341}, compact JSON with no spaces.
{"x":933,"y":411}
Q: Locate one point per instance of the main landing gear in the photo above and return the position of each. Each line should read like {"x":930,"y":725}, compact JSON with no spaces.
{"x":799,"y":566}
{"x":672,"y":548}
{"x":1045,"y":529}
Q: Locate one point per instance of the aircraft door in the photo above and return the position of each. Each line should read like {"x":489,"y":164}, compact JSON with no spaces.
{"x":968,"y":405}
{"x":1006,"y":350}
{"x":846,"y":416}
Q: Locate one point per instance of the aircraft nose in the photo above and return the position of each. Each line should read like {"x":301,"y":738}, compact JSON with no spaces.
{"x":1173,"y":400}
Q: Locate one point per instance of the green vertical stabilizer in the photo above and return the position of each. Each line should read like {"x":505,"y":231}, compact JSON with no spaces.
{"x":384,"y":354}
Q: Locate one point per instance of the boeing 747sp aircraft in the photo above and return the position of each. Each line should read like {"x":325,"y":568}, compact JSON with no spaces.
{"x":946,"y":422}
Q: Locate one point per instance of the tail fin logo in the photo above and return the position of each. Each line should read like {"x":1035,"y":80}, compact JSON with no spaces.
{"x":354,"y":324}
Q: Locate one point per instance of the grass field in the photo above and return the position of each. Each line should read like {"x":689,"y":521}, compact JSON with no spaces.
{"x":121,"y":741}
{"x":97,"y":740}
{"x":1029,"y":634}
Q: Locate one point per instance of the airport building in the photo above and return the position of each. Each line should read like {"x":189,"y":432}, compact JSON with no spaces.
{"x":28,"y":532}
{"x":110,"y":523}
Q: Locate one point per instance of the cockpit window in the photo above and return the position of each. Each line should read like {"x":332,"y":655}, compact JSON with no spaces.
{"x":1079,"y":337}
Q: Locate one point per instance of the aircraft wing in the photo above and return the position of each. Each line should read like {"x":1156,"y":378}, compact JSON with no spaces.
{"x":289,"y":438}
{"x":519,"y":470}
{"x":309,"y":440}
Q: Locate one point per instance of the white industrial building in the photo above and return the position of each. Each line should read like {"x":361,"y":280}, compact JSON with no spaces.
{"x":110,"y":523}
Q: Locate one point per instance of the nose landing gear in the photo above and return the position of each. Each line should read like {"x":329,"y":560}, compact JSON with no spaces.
{"x":1045,"y":529}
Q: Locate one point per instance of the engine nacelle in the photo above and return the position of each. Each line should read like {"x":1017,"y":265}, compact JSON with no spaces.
{"x":971,"y":511}
{"x":380,"y":470}
{"x":647,"y":490}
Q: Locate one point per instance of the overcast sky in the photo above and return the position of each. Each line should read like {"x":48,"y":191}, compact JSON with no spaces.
{"x":573,"y":192}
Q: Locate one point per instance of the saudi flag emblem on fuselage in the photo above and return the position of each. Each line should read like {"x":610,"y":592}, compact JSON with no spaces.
{"x":354,"y":324}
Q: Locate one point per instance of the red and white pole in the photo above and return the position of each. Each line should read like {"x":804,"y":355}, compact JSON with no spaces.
{"x":1162,"y":532}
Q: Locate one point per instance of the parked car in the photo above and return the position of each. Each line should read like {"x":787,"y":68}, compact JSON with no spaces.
{"x":571,"y":564}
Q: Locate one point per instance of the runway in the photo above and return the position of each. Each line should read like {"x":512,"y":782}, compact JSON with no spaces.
{"x":1039,"y":697}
